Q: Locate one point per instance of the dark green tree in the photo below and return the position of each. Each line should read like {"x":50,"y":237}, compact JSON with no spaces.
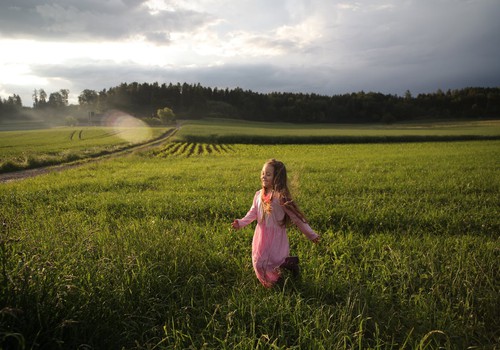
{"x":56,"y":100}
{"x":88,"y":99}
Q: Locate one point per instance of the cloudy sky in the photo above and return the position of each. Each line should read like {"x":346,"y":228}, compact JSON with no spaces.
{"x":322,"y":46}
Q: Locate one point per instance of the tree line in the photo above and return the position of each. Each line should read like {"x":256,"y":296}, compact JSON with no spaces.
{"x":190,"y":101}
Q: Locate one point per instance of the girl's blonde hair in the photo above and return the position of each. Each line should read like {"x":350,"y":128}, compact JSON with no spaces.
{"x":280,"y":188}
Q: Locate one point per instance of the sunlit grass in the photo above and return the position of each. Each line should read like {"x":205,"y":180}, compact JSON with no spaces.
{"x":32,"y":148}
{"x":137,"y":252}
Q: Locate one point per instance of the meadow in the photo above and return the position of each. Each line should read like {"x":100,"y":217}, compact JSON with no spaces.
{"x":26,"y":149}
{"x":137,"y":252}
{"x":248,"y":132}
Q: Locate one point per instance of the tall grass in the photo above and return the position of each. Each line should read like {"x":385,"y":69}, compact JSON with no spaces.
{"x":136,"y":253}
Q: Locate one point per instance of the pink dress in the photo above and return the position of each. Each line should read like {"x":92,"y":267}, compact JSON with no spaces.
{"x":270,"y":244}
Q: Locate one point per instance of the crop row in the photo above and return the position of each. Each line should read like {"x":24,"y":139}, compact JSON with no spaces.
{"x":188,"y":149}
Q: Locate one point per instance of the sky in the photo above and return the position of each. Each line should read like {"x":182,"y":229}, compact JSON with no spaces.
{"x":327,"y":47}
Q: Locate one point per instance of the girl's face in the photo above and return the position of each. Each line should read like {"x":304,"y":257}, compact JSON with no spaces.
{"x":267,"y":176}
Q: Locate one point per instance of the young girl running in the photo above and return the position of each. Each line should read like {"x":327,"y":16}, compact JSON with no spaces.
{"x":274,"y":208}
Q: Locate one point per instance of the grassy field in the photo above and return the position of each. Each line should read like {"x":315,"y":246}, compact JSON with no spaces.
{"x":24,"y":149}
{"x":233,"y":131}
{"x":137,"y":252}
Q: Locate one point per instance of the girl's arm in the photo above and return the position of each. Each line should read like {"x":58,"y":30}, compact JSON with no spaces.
{"x":301,"y":223}
{"x":249,"y":217}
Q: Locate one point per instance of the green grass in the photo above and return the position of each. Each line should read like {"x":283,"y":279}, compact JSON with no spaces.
{"x":230,"y":131}
{"x":137,"y":252}
{"x":33,"y":148}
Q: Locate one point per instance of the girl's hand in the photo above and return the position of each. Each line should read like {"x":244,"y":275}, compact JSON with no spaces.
{"x":235,"y":224}
{"x":316,"y":240}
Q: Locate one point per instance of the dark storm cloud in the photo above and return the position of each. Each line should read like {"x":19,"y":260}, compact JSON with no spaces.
{"x":92,"y":20}
{"x":256,"y":77}
{"x":421,"y":45}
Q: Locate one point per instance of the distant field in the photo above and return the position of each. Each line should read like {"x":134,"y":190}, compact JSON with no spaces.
{"x":24,"y":149}
{"x":233,"y":131}
{"x":31,"y":148}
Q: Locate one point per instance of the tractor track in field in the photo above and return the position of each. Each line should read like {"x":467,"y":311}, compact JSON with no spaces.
{"x":29,"y":173}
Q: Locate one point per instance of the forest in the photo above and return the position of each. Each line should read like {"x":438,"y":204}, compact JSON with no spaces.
{"x":193,"y":101}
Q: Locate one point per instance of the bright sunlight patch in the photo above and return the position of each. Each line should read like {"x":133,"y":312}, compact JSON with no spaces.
{"x":127,"y":127}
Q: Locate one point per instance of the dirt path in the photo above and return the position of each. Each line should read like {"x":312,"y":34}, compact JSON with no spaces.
{"x":24,"y":174}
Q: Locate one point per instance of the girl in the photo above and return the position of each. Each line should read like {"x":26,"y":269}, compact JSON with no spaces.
{"x":273,"y":208}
